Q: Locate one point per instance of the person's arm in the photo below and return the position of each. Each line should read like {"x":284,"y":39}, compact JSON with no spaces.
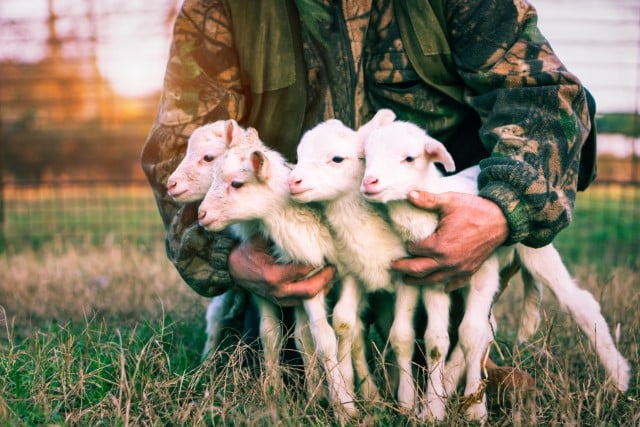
{"x":202,"y":84}
{"x":534,"y":122}
{"x":534,"y":115}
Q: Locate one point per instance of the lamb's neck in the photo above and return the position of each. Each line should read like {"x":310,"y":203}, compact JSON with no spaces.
{"x":432,"y":181}
{"x":345,"y":209}
{"x":414,"y":223}
{"x":299,"y":235}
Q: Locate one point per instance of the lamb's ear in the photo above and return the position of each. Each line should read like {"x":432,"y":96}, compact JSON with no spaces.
{"x":252,"y":137}
{"x":381,"y":118}
{"x":260,"y":164}
{"x":233,"y":133}
{"x":437,"y":152}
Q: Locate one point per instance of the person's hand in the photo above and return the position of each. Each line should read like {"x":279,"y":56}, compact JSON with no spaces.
{"x":253,"y":268}
{"x":470,"y":228}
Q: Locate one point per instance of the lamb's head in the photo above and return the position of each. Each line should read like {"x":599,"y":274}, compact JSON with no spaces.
{"x":330,"y":163}
{"x":248,"y":182}
{"x":191,"y":179}
{"x":400,"y":157}
{"x":330,"y":159}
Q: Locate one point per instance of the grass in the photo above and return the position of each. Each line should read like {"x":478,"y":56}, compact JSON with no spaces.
{"x":605,"y":227}
{"x":110,"y":335}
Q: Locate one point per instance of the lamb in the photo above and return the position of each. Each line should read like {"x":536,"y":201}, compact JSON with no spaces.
{"x":400,"y":157}
{"x":189,"y":183}
{"x":249,"y":192}
{"x":329,"y":171}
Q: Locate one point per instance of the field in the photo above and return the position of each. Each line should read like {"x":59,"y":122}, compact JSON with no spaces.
{"x":107,"y":334}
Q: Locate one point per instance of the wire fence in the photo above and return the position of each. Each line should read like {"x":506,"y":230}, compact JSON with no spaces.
{"x":605,"y":228}
{"x":84,"y":211}
{"x":79,"y":85}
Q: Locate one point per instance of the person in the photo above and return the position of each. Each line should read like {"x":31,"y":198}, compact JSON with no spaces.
{"x":477,"y":75}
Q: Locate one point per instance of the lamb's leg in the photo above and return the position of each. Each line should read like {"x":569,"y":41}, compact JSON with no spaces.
{"x":545,"y":265}
{"x":475,"y":335}
{"x":530,"y":319}
{"x":327,"y":352}
{"x":214,"y":318}
{"x":221,"y":309}
{"x":271,"y":337}
{"x":368,"y":387}
{"x":344,"y":321}
{"x":307,"y":350}
{"x":436,"y":339}
{"x":350,"y":334}
{"x":402,"y":339}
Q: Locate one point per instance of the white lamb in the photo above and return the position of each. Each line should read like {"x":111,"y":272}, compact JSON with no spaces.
{"x":329,"y":171}
{"x":401,"y":157}
{"x":189,"y":183}
{"x":249,"y":191}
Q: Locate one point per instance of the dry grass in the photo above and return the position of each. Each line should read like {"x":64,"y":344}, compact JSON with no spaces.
{"x":111,"y":336}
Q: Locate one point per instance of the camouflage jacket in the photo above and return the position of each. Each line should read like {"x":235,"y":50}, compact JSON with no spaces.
{"x":477,"y":74}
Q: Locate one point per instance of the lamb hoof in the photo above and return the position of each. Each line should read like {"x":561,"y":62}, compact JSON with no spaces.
{"x":435,"y":411}
{"x":346,"y":412}
{"x":369,"y":391}
{"x":622,"y":376}
{"x":477,"y":412}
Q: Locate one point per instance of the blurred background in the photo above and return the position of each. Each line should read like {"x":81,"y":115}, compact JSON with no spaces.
{"x":79,"y":88}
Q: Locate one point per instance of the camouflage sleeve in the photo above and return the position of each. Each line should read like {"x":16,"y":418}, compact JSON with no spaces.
{"x":534,"y":114}
{"x":202,"y":84}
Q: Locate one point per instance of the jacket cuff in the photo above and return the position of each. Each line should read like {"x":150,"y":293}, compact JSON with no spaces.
{"x":512,"y":207}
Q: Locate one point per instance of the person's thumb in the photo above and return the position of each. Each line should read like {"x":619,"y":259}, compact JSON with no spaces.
{"x":426,"y":200}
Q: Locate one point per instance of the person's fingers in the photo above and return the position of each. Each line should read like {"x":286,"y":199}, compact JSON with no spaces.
{"x":429,"y":201}
{"x":416,"y":267}
{"x":308,"y":287}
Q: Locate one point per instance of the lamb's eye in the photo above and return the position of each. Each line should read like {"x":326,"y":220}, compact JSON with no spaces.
{"x":409,"y":159}
{"x":208,"y":158}
{"x":337,"y":159}
{"x":237,"y":184}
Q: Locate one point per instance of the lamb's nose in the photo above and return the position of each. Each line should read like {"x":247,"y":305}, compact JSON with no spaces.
{"x":370,"y":180}
{"x":171,"y":184}
{"x":202,"y":213}
{"x":294,"y":182}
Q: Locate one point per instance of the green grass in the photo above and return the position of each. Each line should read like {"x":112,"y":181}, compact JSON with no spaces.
{"x":605,"y":229}
{"x":110,"y":335}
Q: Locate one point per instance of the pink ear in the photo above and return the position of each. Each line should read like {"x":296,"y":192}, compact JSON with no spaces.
{"x":232,"y":132}
{"x":260,"y":165}
{"x":437,"y":152}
